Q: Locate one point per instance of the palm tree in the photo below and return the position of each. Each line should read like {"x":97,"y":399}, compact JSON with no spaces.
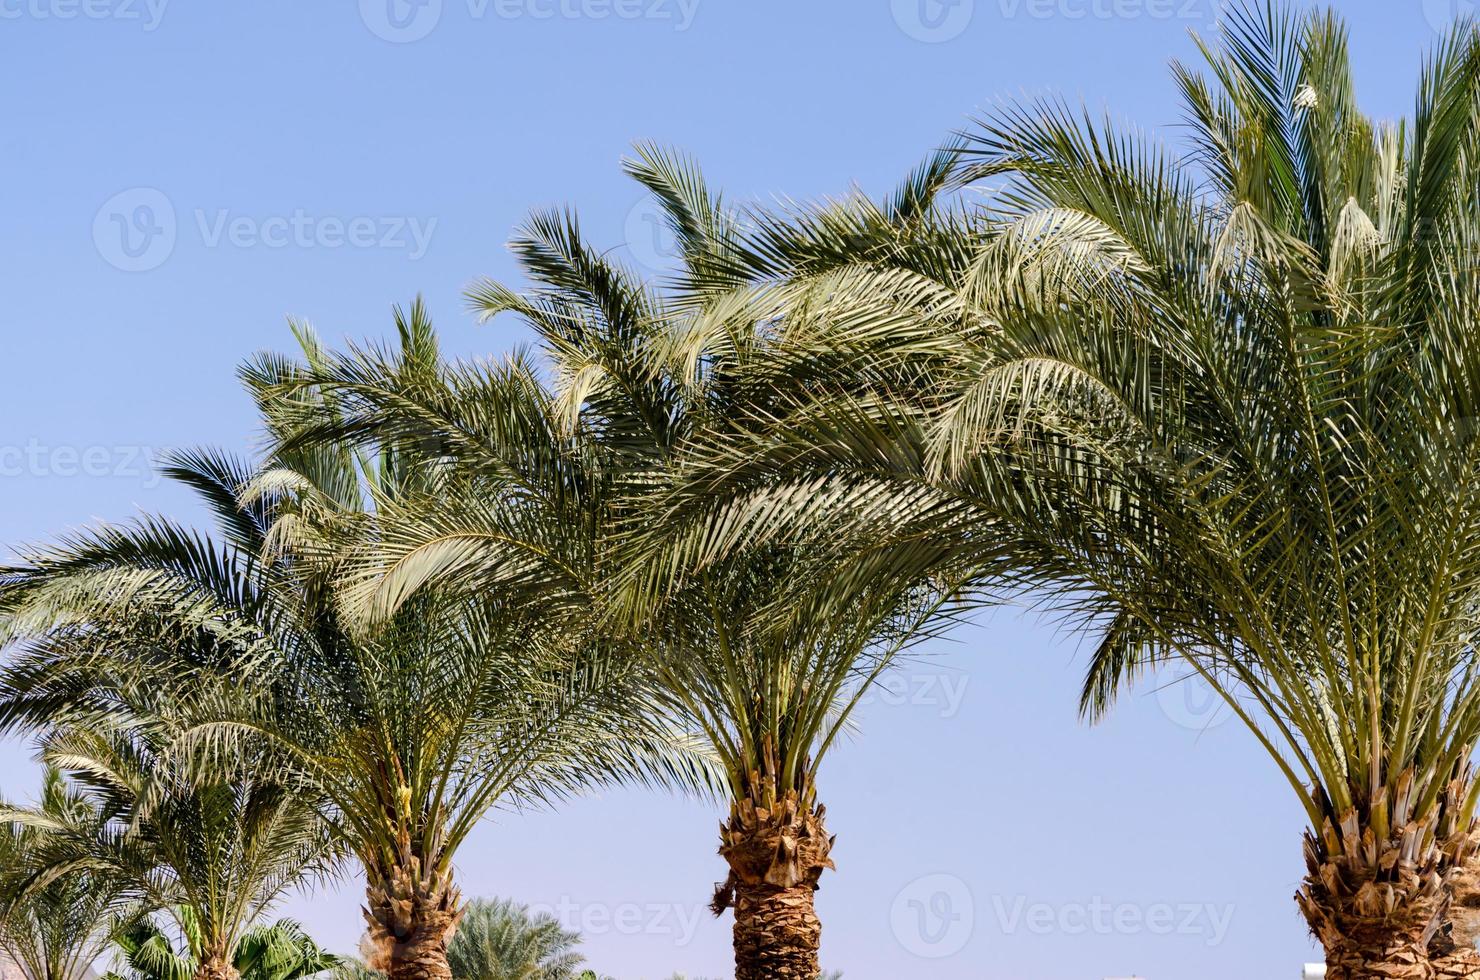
{"x":280,"y":951}
{"x":408,"y":734}
{"x":550,"y":481}
{"x":57,"y":929}
{"x":1222,"y":407}
{"x":501,"y":940}
{"x":218,"y":835}
{"x":1282,"y":493}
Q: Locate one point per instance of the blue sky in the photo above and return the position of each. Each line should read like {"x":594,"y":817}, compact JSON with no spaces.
{"x":179,"y":176}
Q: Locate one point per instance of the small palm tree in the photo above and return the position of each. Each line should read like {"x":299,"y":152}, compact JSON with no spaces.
{"x":280,"y":951}
{"x":54,"y":927}
{"x":500,"y":940}
{"x":220,"y":837}
{"x":111,"y":671}
{"x":406,"y":735}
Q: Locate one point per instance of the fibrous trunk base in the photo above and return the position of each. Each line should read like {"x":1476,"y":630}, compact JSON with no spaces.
{"x":216,"y":966}
{"x":1453,"y":951}
{"x":422,"y":956}
{"x":1376,"y":890}
{"x":777,"y":848}
{"x":1384,"y":957}
{"x":412,"y":911}
{"x":1372,"y":929}
{"x":1461,"y":964}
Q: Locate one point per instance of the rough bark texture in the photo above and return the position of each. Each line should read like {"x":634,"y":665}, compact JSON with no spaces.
{"x":1456,"y":964}
{"x":412,"y":914}
{"x":1453,"y":951}
{"x":777,"y":850}
{"x":1372,"y":925}
{"x":1376,"y":892}
{"x":777,"y":933}
{"x":216,"y":966}
{"x":1379,"y":956}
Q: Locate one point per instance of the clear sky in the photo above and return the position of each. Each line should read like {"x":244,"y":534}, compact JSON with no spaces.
{"x":178,"y":176}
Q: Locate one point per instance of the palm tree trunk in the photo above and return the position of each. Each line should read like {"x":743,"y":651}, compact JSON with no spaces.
{"x":1361,"y":940}
{"x":1381,"y":881}
{"x":422,"y":955}
{"x":1374,"y":906}
{"x":1457,"y":964}
{"x":1380,"y":957}
{"x":412,"y":916}
{"x":1453,"y":951}
{"x":216,"y":966}
{"x":777,"y":933}
{"x":776,"y":853}
{"x":1370,"y":927}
